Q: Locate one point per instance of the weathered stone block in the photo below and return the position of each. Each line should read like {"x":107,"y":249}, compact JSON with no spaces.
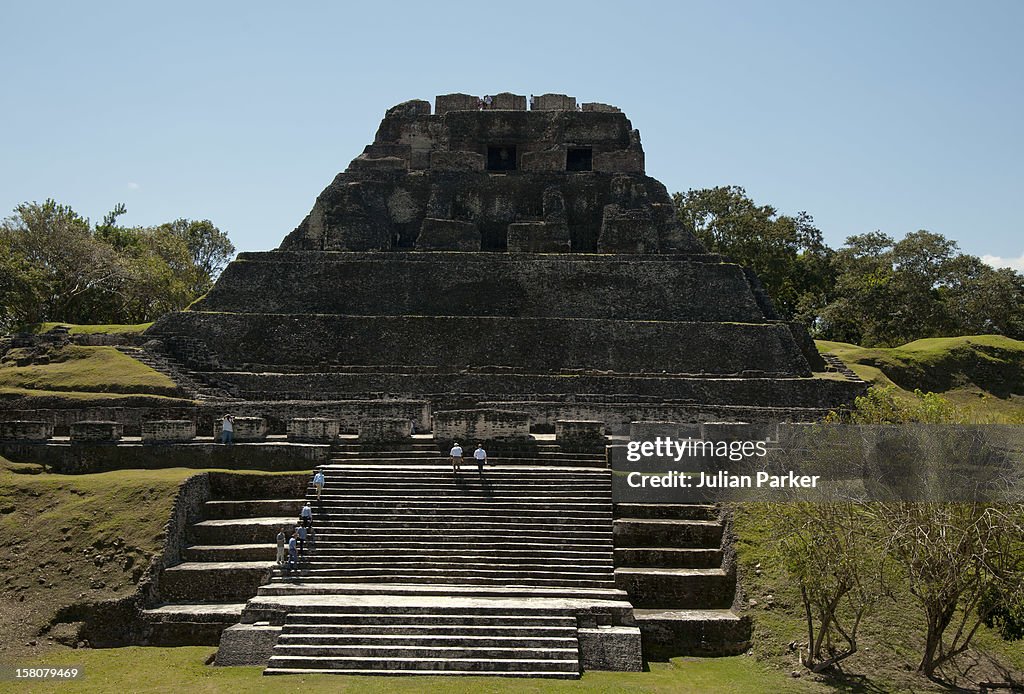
{"x":456,"y":161}
{"x":611,"y":648}
{"x":365,"y":163}
{"x":650,"y":430}
{"x":619,"y":161}
{"x":168,"y":430}
{"x":384,"y":430}
{"x":448,"y":235}
{"x":508,"y":102}
{"x":444,"y":103}
{"x":627,"y":231}
{"x":546,"y":160}
{"x":596,"y":107}
{"x":247,"y":429}
{"x":470,"y":426}
{"x":25,"y":430}
{"x":538,"y":237}
{"x":313,"y":429}
{"x":83,"y":432}
{"x":578,"y":435}
{"x":554,"y":102}
{"x":247,"y":644}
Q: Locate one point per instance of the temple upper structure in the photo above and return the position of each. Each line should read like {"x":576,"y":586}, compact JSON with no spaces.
{"x":494,"y":176}
{"x":487,"y":255}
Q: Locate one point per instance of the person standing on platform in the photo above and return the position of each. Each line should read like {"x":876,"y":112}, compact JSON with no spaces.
{"x":227,"y":429}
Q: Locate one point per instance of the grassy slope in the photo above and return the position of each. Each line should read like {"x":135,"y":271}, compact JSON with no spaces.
{"x":93,"y":329}
{"x":68,"y":538}
{"x":91,"y":370}
{"x":982,"y":373}
{"x":891,"y":639}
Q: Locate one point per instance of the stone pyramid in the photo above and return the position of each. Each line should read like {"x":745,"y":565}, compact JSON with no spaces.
{"x":491,"y":255}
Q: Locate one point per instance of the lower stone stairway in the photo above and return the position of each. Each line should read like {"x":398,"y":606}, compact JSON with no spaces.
{"x":400,"y":643}
{"x":669,"y":559}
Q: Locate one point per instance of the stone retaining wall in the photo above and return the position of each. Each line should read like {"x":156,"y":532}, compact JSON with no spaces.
{"x":25,"y":430}
{"x":168,"y":431}
{"x":96,"y":432}
{"x":481,"y":425}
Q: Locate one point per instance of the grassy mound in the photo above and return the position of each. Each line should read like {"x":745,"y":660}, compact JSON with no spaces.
{"x":74,"y":369}
{"x":72,"y":538}
{"x":982,"y":373}
{"x":76,"y":329}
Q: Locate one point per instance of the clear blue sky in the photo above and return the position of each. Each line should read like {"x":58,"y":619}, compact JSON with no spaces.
{"x":869,"y":115}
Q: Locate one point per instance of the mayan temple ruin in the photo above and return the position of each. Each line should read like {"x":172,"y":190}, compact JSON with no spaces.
{"x":501,"y":272}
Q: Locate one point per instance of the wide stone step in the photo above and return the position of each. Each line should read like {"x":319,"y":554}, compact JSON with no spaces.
{"x":420,"y":579}
{"x":334,"y":525}
{"x":476,"y":544}
{"x":190,"y":624}
{"x":406,"y":505}
{"x":291,"y":637}
{"x":214,"y":581}
{"x":468,"y":492}
{"x":703,"y":633}
{"x":252,"y":508}
{"x":396,"y":650}
{"x":529,"y":555}
{"x":439,"y":665}
{"x":313,"y":570}
{"x":485,"y":511}
{"x":682,"y":588}
{"x":232,"y":553}
{"x":397,"y":559}
{"x":525,"y":534}
{"x":400,"y":618}
{"x":366,"y":592}
{"x":238,"y":531}
{"x":667,"y":511}
{"x":409,"y":671}
{"x":633,"y":532}
{"x":668,"y":557}
{"x":330,"y":629}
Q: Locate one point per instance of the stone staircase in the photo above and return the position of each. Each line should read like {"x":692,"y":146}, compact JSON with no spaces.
{"x":422,"y":450}
{"x":423,"y":525}
{"x":189,"y":386}
{"x":436,"y":643}
{"x":670,"y":560}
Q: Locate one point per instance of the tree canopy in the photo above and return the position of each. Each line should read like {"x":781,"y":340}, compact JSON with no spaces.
{"x":56,"y":266}
{"x":874,"y":290}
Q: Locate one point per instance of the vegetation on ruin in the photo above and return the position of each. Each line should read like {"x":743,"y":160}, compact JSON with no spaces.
{"x":875,"y":290}
{"x":57,"y":266}
{"x":90,"y":329}
{"x":981,"y":377}
{"x":71,"y":538}
{"x":76,"y":369}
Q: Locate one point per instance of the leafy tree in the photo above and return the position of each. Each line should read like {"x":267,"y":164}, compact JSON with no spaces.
{"x":787,"y":252}
{"x":209,"y":247}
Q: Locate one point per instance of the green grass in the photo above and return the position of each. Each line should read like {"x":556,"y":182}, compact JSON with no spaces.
{"x":71,"y":538}
{"x":983,"y":374}
{"x":76,"y":329}
{"x":182,"y":669}
{"x":74,"y":369}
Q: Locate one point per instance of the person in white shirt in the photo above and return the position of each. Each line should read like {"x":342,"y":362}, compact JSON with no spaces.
{"x":227,"y":429}
{"x":481,"y":457}
{"x":456,"y":455}
{"x":281,"y":539}
{"x":306,"y":516}
{"x":318,"y":482}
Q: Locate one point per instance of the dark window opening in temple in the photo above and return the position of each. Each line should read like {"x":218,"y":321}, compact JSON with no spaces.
{"x":579,"y":159}
{"x":501,"y":158}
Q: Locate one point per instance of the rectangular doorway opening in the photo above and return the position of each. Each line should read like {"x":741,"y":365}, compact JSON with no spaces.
{"x":579,"y":159}
{"x":501,"y":158}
